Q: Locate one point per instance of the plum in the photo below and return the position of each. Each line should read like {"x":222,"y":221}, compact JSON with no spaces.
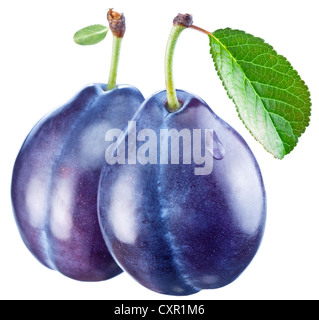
{"x":55,"y":181}
{"x":56,"y":174}
{"x":175,"y":226}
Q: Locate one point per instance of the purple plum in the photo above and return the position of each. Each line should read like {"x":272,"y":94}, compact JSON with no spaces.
{"x":55,"y":182}
{"x":179,"y":226}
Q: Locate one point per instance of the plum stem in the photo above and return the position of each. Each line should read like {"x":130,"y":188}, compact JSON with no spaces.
{"x":181,"y":22}
{"x":114,"y":62}
{"x":117,"y":26}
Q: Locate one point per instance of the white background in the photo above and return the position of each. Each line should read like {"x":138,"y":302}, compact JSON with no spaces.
{"x":41,"y":68}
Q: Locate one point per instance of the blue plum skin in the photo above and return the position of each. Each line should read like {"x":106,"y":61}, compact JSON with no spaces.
{"x":55,"y":181}
{"x":174,"y":232}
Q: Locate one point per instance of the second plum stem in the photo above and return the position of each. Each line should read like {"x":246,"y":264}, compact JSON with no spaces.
{"x":180,"y":22}
{"x":172,"y":101}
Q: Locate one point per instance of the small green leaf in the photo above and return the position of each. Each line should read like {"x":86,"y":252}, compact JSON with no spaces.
{"x":91,"y":35}
{"x":271,"y":98}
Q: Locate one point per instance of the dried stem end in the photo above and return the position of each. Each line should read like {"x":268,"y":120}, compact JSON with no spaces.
{"x":185,"y":20}
{"x":116,"y":22}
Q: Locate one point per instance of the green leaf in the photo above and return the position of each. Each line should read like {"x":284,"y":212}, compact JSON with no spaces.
{"x":91,"y":35}
{"x":271,"y":98}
